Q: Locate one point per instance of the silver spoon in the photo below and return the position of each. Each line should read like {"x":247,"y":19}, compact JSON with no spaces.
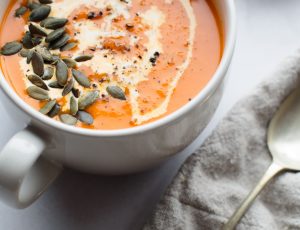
{"x":284,"y":145}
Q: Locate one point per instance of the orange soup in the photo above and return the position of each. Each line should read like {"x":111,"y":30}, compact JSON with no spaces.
{"x":109,"y":64}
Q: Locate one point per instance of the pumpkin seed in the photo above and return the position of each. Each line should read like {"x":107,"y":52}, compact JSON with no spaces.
{"x":55,"y":110}
{"x":76,"y":92}
{"x":60,"y":42}
{"x":61,"y":73}
{"x":29,"y":56}
{"x":33,"y":5}
{"x":45,"y":1}
{"x":11,"y":48}
{"x":68,"y":87}
{"x":46,"y":54}
{"x":81,"y":78}
{"x":68,"y":119}
{"x":87,"y":99}
{"x":83,"y":58}
{"x":37,"y":30}
{"x":37,"y":93}
{"x":56,"y":34}
{"x":73,"y":106}
{"x":37,"y":63}
{"x":55,"y":85}
{"x":68,"y":46}
{"x":55,"y":23}
{"x":48,"y":74}
{"x":24,"y":53}
{"x":37,"y":81}
{"x":40,"y":13}
{"x":37,"y":40}
{"x":27,"y":41}
{"x":48,"y":107}
{"x":69,"y":62}
{"x":42,"y":23}
{"x":55,"y":59}
{"x":85,"y":117}
{"x":20,"y":11}
{"x":116,"y":92}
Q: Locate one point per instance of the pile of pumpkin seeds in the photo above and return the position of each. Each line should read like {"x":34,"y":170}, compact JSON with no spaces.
{"x":36,"y":47}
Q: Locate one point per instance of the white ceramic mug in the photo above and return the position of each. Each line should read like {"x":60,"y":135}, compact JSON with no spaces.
{"x":34,"y":157}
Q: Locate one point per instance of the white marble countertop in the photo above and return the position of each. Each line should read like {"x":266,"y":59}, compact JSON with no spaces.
{"x":268,"y":31}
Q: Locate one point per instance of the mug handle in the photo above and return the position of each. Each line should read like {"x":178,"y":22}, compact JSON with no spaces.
{"x":24,"y":174}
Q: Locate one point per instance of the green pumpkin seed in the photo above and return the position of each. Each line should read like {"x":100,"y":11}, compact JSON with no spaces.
{"x":24,"y":53}
{"x":69,"y":62}
{"x":20,"y":11}
{"x":33,"y":5}
{"x":55,"y":59}
{"x":61,"y":73}
{"x":85,"y":118}
{"x":87,"y":99}
{"x":27,"y":41}
{"x":116,"y":92}
{"x":73,"y":106}
{"x":46,"y":54}
{"x":55,"y":110}
{"x":37,"y":40}
{"x":68,"y":46}
{"x":56,"y":34}
{"x":37,"y":30}
{"x":37,"y":81}
{"x":40,"y":13}
{"x":29,"y":56}
{"x":48,"y":74}
{"x":76,"y":92}
{"x":81,"y":78}
{"x":37,"y":63}
{"x":48,"y":107}
{"x":55,"y":23}
{"x":37,"y":93}
{"x":60,"y":42}
{"x":83,"y":58}
{"x":11,"y":48}
{"x":42,"y":23}
{"x":68,"y":119}
{"x":45,"y":1}
{"x":55,"y":85}
{"x":68,"y":87}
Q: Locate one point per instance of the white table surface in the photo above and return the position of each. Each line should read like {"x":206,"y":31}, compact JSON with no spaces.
{"x":268,"y":31}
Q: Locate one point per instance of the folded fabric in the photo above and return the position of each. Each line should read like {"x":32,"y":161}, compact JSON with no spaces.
{"x":214,"y":181}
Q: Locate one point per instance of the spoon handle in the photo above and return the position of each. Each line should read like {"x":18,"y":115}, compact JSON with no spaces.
{"x":272,"y":171}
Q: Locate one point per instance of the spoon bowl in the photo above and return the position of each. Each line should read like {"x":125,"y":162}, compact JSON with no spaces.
{"x":284,"y":133}
{"x":284,"y":145}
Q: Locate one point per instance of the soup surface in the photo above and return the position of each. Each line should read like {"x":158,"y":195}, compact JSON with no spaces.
{"x":114,"y":63}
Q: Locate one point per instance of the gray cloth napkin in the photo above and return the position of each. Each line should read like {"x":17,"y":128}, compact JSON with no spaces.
{"x":219,"y":175}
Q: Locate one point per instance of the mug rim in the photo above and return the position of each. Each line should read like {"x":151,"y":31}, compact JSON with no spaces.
{"x":219,"y":74}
